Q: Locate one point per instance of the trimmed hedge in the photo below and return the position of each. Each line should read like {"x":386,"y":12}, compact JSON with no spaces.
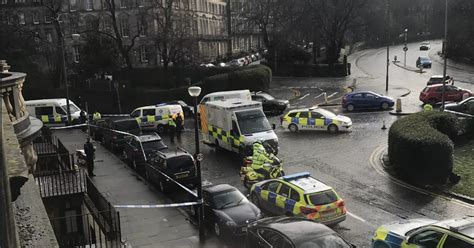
{"x":254,"y":78}
{"x":310,"y":70}
{"x":420,"y":147}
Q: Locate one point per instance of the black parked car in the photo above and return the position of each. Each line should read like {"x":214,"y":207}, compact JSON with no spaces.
{"x":292,"y":232}
{"x":133,"y":152}
{"x":116,"y":140}
{"x":227,"y":211}
{"x":178,"y":165}
{"x":465,"y":106}
{"x":269,"y":103}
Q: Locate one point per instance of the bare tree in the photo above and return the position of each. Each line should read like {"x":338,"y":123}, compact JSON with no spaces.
{"x":174,"y":39}
{"x":334,"y":17}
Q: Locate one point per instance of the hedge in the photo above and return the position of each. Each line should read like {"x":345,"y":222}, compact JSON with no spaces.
{"x":310,"y":70}
{"x":254,"y":78}
{"x":420,"y":147}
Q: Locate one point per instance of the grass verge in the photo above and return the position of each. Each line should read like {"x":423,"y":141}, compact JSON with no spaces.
{"x":464,"y":166}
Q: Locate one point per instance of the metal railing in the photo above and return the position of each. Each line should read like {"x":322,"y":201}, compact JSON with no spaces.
{"x":54,"y":183}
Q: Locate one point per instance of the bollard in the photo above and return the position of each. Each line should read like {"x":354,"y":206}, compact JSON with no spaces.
{"x":421,"y":68}
{"x":325,"y":98}
{"x":383,"y":126}
{"x":395,"y":59}
{"x":398,"y":107}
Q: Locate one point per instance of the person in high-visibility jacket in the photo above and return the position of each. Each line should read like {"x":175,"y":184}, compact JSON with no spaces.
{"x":259,"y":159}
{"x":171,"y":128}
{"x":96,"y":116}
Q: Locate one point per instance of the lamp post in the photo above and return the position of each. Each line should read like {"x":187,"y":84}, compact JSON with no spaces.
{"x":194,"y":92}
{"x":387,"y":32}
{"x":405,"y":48}
{"x":445,"y":44}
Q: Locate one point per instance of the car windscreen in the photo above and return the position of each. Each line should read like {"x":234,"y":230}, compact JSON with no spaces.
{"x":322,"y":198}
{"x":73,"y":108}
{"x":267,"y":96}
{"x":252,"y":121}
{"x":426,"y":89}
{"x":326,"y":113}
{"x":153,"y":145}
{"x":179,"y":162}
{"x":127,"y":125}
{"x":228,"y":198}
{"x":331,"y":240}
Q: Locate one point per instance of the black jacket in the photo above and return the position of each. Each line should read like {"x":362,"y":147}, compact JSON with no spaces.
{"x":89,"y":150}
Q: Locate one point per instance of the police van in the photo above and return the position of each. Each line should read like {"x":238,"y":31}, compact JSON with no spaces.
{"x":236,"y":124}
{"x":156,"y":117}
{"x":53,"y":111}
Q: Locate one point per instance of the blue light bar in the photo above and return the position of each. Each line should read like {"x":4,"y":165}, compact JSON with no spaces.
{"x":296,"y":176}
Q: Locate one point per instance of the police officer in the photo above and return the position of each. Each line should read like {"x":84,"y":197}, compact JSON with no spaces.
{"x":89,"y":151}
{"x":259,"y":158}
{"x":427,"y":107}
{"x":96,"y":116}
{"x":179,"y":126}
{"x":171,"y":128}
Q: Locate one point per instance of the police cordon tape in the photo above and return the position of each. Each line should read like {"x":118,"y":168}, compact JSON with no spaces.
{"x":171,"y":205}
{"x":143,"y":152}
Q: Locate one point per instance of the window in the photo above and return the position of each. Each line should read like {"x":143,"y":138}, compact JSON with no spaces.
{"x":284,"y":190}
{"x":303,"y":115}
{"x":123,"y":3}
{"x":75,"y":54}
{"x":273,"y":186}
{"x":71,"y":221}
{"x":142,"y":28}
{"x":47,"y":19}
{"x":322,"y":198}
{"x":369,"y":96}
{"x":292,"y":114}
{"x":294,"y":195}
{"x":60,"y":111}
{"x":427,"y":238}
{"x":35,"y":18}
{"x":135,"y":113}
{"x":316,"y":115}
{"x":455,"y":242}
{"x":143,"y":57}
{"x":149,"y":112}
{"x":357,"y":96}
{"x":72,"y":5}
{"x":44,"y":111}
{"x":21,"y":18}
{"x":274,"y":238}
{"x":124,"y":27}
{"x":89,"y":5}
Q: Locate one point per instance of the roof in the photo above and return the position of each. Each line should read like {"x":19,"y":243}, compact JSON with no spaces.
{"x":159,"y":105}
{"x":42,"y":101}
{"x":294,"y":227}
{"x":174,"y":153}
{"x":464,"y":225}
{"x":234,"y":103}
{"x":219,"y":188}
{"x":227,"y":92}
{"x":149,"y":137}
{"x":306,"y":182}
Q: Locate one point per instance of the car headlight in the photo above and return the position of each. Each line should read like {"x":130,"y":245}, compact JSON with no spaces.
{"x":230,"y":223}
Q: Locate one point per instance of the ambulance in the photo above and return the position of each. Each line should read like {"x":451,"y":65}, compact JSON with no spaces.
{"x":53,"y":111}
{"x":156,"y":117}
{"x":222,"y":95}
{"x":235,"y":124}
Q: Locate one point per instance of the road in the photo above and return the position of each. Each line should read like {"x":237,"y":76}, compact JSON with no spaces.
{"x":345,"y":160}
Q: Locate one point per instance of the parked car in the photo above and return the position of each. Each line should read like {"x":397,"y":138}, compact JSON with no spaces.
{"x":139,"y":146}
{"x":366,"y":100}
{"x":451,"y":233}
{"x":237,"y":62}
{"x":424,"y":61}
{"x":178,"y":165}
{"x":433,"y":94}
{"x":424,"y":46}
{"x":227,"y":211}
{"x":97,"y":129}
{"x":116,"y":140}
{"x":269,"y":103}
{"x":438,"y":79}
{"x":315,"y":119}
{"x":465,"y":106}
{"x":292,"y":232}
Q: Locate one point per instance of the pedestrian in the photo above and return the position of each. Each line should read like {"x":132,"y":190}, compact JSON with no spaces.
{"x":171,"y":128}
{"x":428,"y":107}
{"x":89,"y":150}
{"x":179,"y":126}
{"x":96,"y":116}
{"x":82,"y":117}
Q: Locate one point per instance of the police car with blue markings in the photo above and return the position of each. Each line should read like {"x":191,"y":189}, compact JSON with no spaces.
{"x":299,"y":195}
{"x":315,"y":119}
{"x":427,"y":233}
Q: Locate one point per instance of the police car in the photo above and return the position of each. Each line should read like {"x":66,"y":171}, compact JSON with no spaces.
{"x":413,"y":233}
{"x":299,"y":195}
{"x":315,"y":119}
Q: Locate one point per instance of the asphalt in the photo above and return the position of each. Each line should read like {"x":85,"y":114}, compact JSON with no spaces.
{"x":151,"y":227}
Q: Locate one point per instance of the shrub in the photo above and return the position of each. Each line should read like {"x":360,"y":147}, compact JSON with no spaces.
{"x":420,"y":148}
{"x":254,"y":78}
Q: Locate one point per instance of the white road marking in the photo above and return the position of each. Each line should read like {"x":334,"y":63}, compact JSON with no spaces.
{"x":319,"y":95}
{"x":332,"y":94}
{"x":356,"y":217}
{"x":303,"y":97}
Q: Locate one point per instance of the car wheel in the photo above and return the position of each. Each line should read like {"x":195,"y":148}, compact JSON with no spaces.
{"x":162,"y":186}
{"x":293,"y":128}
{"x":384,"y":105}
{"x":380,"y":244}
{"x":217,"y":229}
{"x":160,"y":129}
{"x":350,"y":107}
{"x":333,"y":128}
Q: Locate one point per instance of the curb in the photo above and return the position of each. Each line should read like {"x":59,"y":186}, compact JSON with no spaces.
{"x":460,"y":197}
{"x":407,"y":68}
{"x":400,"y":113}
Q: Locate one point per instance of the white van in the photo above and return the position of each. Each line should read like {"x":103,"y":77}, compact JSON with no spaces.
{"x":156,"y":117}
{"x":223,"y":95}
{"x":53,"y":111}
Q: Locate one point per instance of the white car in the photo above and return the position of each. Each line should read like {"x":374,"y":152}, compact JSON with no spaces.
{"x":315,"y":119}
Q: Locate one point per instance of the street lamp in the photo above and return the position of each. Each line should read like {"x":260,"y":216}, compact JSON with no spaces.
{"x":445,"y":44}
{"x":405,"y":48}
{"x":195,"y":91}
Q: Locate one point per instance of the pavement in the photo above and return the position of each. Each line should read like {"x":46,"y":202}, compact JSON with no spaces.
{"x":150,"y":227}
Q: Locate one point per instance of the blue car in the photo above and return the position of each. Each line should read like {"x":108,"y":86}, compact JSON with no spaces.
{"x":366,"y":100}
{"x":424,"y":61}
